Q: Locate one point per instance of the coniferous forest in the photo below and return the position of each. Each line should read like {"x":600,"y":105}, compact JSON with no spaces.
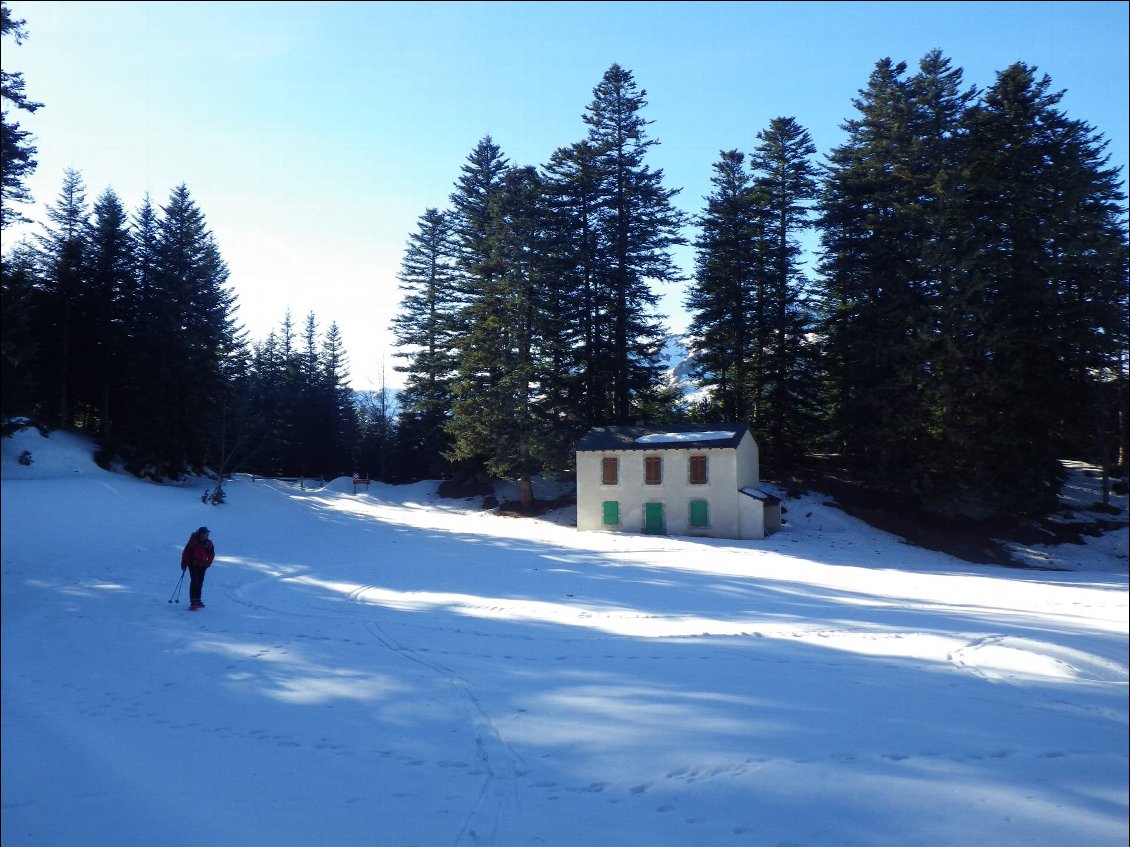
{"x":962,"y":327}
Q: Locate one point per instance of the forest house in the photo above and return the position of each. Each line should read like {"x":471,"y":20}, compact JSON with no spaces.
{"x":673,"y":480}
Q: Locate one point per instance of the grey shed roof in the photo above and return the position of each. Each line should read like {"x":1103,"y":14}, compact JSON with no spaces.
{"x":604,"y":439}
{"x":763,"y":496}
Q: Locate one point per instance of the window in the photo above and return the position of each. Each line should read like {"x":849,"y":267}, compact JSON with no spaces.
{"x":611,"y":513}
{"x":698,"y":470}
{"x":610,"y":471}
{"x":653,"y":470}
{"x":700,"y":513}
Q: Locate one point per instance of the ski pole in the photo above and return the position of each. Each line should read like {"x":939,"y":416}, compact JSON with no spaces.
{"x":176,"y":591}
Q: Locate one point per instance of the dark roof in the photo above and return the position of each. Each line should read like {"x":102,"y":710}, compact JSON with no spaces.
{"x":664,"y":437}
{"x":763,"y":496}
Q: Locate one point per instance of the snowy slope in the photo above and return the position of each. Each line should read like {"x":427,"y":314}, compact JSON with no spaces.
{"x":396,"y":669}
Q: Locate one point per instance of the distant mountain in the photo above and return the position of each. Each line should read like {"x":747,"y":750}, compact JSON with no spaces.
{"x":677,"y":357}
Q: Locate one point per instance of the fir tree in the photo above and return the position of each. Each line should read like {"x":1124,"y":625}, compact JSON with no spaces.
{"x":637,"y":226}
{"x":193,"y":335}
{"x":878,"y":312}
{"x":142,"y":302}
{"x":724,"y":311}
{"x":478,"y":369}
{"x":472,"y":218}
{"x":107,"y":300}
{"x":577,"y":387}
{"x":19,"y":346}
{"x":495,"y":417}
{"x":424,"y":328}
{"x":785,"y":185}
{"x":341,"y":411}
{"x":62,"y":248}
{"x":17,"y":153}
{"x":269,"y":392}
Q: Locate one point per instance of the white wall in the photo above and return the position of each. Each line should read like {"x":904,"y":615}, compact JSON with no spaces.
{"x":728,"y":471}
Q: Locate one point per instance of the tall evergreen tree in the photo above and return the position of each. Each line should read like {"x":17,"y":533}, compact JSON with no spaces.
{"x":277,"y":375}
{"x":319,"y":403}
{"x":341,"y":409}
{"x":785,"y":185}
{"x":192,"y":337}
{"x":879,"y":300}
{"x":143,"y":300}
{"x":472,"y":214}
{"x":17,"y":153}
{"x":475,"y":221}
{"x":725,"y":314}
{"x":577,"y":388}
{"x":269,"y":392}
{"x":495,"y":416}
{"x":62,"y":248}
{"x":638,"y":226}
{"x":106,"y":302}
{"x":19,"y":345}
{"x":424,"y":328}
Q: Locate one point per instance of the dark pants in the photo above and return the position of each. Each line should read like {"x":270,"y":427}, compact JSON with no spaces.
{"x":195,"y":583}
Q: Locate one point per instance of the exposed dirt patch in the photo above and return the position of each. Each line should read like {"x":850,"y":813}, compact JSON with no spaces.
{"x":469,"y":488}
{"x":515,"y":509}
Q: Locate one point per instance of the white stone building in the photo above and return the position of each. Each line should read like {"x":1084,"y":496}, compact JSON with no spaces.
{"x":673,"y":480}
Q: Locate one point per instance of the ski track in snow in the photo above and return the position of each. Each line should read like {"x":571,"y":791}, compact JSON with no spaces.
{"x":501,"y":763}
{"x":482,"y":680}
{"x":994,"y":658}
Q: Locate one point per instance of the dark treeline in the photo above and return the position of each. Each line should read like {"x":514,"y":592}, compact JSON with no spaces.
{"x":125,"y":328}
{"x":973,"y":314}
{"x":965,"y":325}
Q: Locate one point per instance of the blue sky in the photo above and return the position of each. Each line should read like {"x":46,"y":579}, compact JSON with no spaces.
{"x":314,"y":135}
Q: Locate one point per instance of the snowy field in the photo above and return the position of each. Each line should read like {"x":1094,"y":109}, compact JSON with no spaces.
{"x":395,"y":669}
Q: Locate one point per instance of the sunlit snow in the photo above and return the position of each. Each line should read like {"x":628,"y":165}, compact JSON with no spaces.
{"x":393,"y":668}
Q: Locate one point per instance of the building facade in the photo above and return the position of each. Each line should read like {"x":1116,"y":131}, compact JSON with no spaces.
{"x":673,"y":480}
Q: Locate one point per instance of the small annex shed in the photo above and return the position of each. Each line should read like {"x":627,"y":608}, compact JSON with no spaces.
{"x":676,"y":479}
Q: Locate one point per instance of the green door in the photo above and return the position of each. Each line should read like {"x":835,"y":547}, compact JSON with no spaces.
{"x":653,"y":518}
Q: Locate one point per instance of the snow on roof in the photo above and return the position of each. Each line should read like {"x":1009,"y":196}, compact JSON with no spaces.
{"x":664,"y":437}
{"x":672,"y":435}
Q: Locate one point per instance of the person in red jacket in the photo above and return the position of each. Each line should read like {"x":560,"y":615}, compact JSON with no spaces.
{"x":197,"y":558}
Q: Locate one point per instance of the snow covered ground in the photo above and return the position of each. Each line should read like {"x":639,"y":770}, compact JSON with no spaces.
{"x":396,"y":669}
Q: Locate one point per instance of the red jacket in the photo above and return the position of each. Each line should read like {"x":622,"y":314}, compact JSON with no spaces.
{"x":197,"y":553}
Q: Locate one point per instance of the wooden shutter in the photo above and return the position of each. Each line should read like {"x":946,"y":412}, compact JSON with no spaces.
{"x":698,"y":470}
{"x":610,"y":471}
{"x":653,"y":470}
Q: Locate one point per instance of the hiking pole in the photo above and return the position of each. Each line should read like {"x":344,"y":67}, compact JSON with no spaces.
{"x":176,"y":591}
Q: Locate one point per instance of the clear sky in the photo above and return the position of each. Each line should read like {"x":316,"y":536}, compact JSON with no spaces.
{"x":314,"y":135}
